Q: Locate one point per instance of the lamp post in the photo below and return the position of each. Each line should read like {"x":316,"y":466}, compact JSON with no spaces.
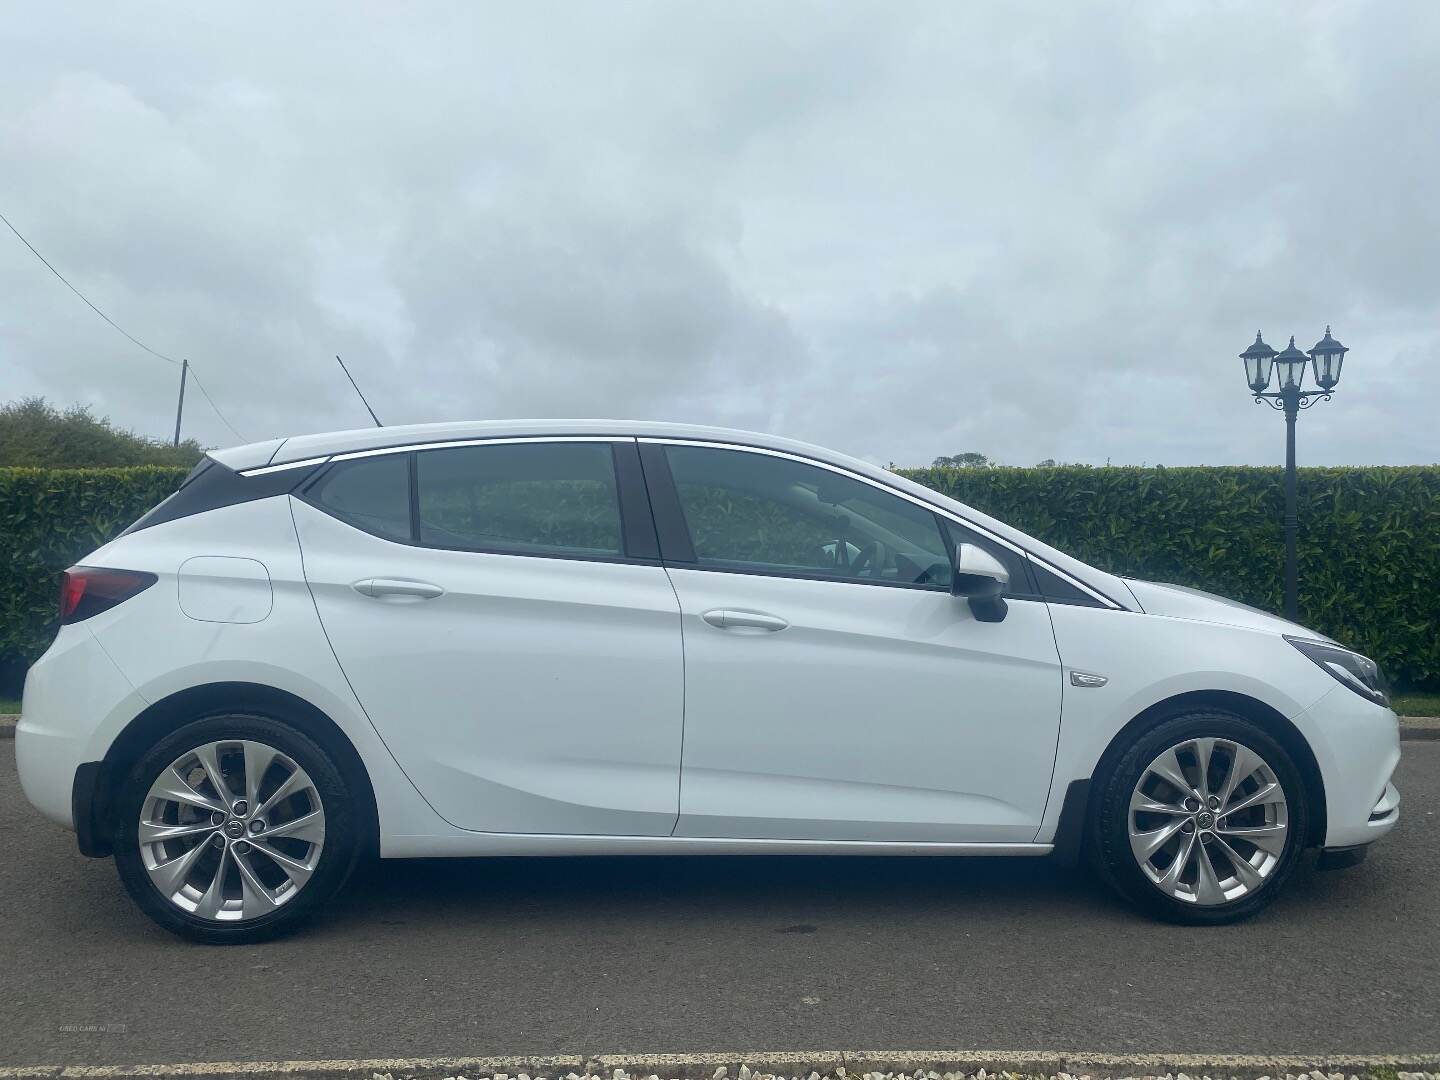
{"x":1287,"y":368}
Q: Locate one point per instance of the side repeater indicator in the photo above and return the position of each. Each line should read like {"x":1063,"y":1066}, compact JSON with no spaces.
{"x":1085,"y":678}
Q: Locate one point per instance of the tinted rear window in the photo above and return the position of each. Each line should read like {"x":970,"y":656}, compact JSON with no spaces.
{"x":372,"y":494}
{"x":520,"y":498}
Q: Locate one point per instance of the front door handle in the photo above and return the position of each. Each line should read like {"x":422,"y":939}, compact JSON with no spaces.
{"x":731,"y":619}
{"x":383,"y":587}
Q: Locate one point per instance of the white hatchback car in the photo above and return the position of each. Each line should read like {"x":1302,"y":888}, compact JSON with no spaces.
{"x":599,"y":637}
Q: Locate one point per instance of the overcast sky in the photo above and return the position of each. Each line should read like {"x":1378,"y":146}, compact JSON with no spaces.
{"x":901,"y":230}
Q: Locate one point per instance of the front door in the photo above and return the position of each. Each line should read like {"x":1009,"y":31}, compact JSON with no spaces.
{"x":834,"y":688}
{"x":519,"y":658}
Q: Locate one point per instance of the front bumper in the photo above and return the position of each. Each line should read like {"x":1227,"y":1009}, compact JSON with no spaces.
{"x":1385,"y":814}
{"x":1357,"y":746}
{"x":1342,"y":858}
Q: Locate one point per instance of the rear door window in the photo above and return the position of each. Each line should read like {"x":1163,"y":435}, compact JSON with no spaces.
{"x":541,"y":498}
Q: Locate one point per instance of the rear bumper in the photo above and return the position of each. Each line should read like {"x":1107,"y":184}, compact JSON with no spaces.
{"x":69,"y":692}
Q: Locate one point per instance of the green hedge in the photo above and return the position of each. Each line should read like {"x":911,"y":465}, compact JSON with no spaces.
{"x":1369,"y":540}
{"x":49,"y":519}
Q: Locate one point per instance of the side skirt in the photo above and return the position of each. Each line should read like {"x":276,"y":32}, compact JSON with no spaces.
{"x":464,"y":845}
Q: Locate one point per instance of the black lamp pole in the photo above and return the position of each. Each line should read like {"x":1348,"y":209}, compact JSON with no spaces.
{"x":1261,"y":362}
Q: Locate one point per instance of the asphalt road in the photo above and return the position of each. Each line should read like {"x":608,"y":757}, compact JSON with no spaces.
{"x":778,"y":953}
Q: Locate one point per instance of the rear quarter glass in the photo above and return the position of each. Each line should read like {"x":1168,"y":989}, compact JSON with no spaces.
{"x":212,"y":485}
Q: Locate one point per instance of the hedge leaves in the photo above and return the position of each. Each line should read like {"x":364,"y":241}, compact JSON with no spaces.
{"x":1369,"y":540}
{"x":50,"y":519}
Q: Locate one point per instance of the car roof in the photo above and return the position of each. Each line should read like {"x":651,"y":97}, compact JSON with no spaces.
{"x":304,"y":447}
{"x":320,"y":446}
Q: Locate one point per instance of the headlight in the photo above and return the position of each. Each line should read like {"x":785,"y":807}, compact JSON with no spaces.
{"x":1357,"y":672}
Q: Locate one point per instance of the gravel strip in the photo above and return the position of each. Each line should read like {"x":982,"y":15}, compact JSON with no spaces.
{"x":795,"y":1067}
{"x":745,"y":1073}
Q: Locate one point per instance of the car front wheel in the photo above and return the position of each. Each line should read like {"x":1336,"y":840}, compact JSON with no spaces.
{"x":235,"y":829}
{"x":1202,"y":819}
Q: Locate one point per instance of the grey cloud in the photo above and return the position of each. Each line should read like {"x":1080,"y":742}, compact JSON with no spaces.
{"x":1035,"y":230}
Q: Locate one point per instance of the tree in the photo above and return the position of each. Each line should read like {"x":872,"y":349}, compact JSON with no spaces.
{"x":968,"y":460}
{"x":34,"y":432}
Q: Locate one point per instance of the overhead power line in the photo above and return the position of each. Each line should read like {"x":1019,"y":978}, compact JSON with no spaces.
{"x":77,"y":292}
{"x":129,"y":336}
{"x":206,"y":395}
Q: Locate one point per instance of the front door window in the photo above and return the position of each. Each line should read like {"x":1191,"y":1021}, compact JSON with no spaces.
{"x":761,"y":514}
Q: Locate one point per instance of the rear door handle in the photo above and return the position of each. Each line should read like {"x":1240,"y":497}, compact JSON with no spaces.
{"x":730,"y":619}
{"x":383,"y":587}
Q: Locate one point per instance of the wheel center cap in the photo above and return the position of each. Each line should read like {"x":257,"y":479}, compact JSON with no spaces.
{"x":1205,"y":819}
{"x":234,"y":829}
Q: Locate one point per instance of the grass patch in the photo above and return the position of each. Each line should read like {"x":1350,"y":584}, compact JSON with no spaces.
{"x":9,"y":705}
{"x":1416,"y":704}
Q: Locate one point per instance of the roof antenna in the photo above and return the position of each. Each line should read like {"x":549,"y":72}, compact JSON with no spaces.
{"x":357,"y":390}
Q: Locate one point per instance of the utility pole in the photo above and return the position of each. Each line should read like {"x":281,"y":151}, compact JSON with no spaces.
{"x":180,"y":405}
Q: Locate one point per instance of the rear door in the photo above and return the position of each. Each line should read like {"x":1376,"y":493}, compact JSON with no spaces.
{"x":500,"y":611}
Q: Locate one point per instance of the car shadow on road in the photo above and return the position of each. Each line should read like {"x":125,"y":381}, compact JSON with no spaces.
{"x":708,"y":886}
{"x":784,"y":893}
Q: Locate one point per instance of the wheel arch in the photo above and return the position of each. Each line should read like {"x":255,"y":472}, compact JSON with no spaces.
{"x":207,"y":699}
{"x":1079,"y":799}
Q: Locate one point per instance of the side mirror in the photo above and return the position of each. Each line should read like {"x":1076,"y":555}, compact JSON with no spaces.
{"x":981,"y":579}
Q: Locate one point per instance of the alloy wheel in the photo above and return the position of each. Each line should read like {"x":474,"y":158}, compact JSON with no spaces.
{"x":231,"y":830}
{"x":1208,"y":821}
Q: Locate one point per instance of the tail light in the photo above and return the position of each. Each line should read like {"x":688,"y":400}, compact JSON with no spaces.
{"x":89,"y":590}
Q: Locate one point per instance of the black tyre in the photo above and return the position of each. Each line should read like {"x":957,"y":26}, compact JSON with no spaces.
{"x":234,"y":829}
{"x":1201,"y":820}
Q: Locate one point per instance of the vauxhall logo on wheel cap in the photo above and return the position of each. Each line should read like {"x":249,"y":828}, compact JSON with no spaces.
{"x":235,"y":828}
{"x":1205,"y":819}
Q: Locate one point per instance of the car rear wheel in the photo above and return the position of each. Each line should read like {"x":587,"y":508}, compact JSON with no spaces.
{"x":235,"y":829}
{"x":1202,"y":819}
